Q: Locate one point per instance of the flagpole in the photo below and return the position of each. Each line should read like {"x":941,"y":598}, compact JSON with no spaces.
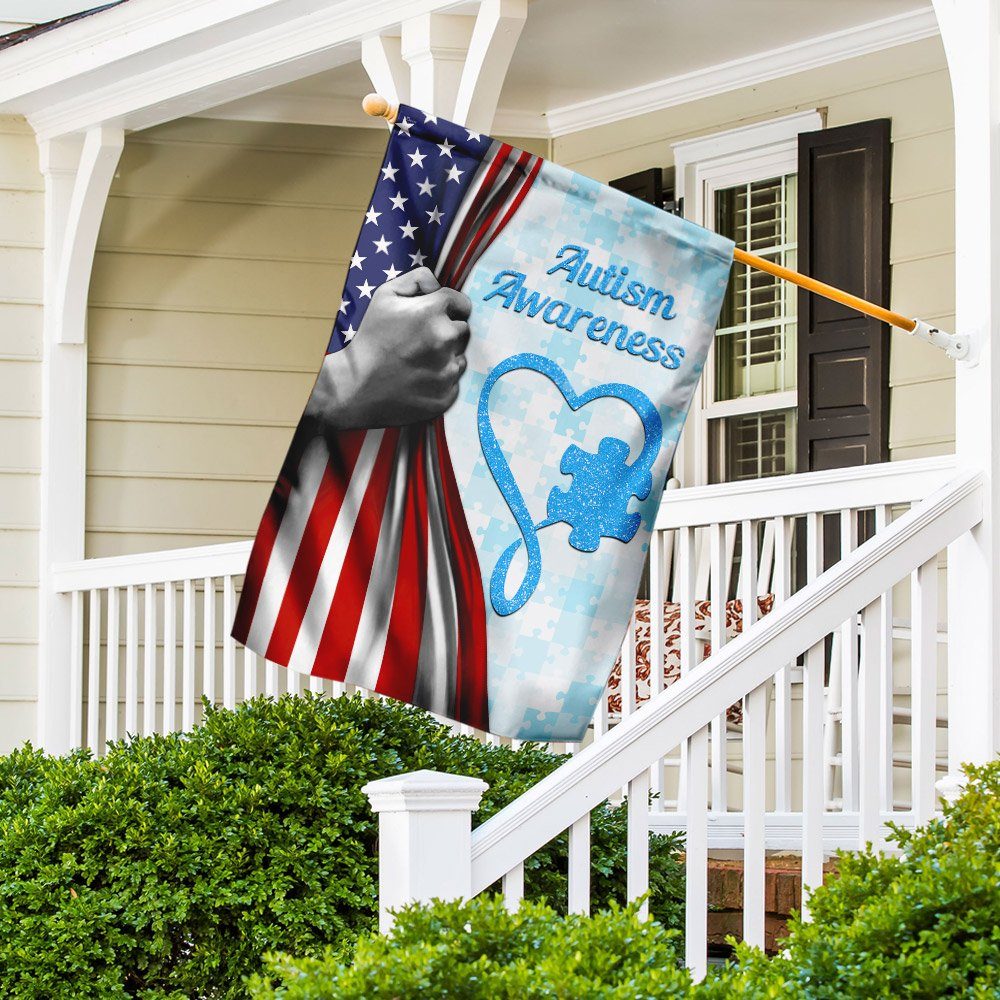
{"x":955,"y":347}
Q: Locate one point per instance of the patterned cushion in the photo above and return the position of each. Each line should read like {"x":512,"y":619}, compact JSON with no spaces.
{"x":672,"y":648}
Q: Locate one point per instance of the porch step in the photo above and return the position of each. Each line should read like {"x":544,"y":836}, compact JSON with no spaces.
{"x":782,"y":894}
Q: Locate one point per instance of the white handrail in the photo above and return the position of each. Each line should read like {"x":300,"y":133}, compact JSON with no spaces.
{"x":804,"y":493}
{"x":887,"y":483}
{"x":169,"y":566}
{"x":674,"y":715}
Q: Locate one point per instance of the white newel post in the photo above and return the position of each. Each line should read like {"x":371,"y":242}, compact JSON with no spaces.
{"x":971,"y":33}
{"x":425,"y":838}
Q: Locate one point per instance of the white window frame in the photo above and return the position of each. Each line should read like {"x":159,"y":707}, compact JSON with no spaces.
{"x":702,"y":166}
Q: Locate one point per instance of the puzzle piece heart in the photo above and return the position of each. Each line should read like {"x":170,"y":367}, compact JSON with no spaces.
{"x":596,"y":506}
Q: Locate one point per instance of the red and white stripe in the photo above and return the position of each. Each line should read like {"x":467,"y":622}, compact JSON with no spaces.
{"x":364,"y":569}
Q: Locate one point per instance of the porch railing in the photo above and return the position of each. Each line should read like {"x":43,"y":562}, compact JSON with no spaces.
{"x":151,"y":636}
{"x":428,"y":850}
{"x":748,"y":547}
{"x":151,"y":632}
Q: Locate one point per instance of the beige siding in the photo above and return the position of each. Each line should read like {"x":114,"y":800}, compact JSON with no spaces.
{"x":908,"y":84}
{"x":219,"y":268}
{"x":220,"y":262}
{"x":21,"y":221}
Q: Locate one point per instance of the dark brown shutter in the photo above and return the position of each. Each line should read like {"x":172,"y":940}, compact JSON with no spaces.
{"x":646,"y":185}
{"x":843,"y":357}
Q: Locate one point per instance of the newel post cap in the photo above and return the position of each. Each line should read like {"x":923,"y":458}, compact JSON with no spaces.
{"x":425,"y":791}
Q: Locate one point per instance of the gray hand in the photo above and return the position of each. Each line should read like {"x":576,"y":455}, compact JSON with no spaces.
{"x":404,"y":363}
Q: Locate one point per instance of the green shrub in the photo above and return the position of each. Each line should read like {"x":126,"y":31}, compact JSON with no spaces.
{"x":479,"y":951}
{"x":168,"y":867}
{"x":923,"y":924}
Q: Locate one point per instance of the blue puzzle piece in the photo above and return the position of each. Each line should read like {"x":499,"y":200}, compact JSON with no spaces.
{"x":596,"y":505}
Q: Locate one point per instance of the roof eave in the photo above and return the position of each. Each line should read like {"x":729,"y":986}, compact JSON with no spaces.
{"x":151,"y":61}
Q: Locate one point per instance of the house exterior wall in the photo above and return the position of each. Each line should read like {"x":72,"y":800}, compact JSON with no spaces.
{"x":221,"y":256}
{"x":218,"y":272}
{"x":21,"y":222}
{"x":908,"y":84}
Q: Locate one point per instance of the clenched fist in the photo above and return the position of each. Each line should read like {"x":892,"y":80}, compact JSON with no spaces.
{"x":404,"y":363}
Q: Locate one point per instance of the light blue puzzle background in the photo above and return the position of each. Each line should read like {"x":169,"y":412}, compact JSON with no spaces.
{"x":549,"y":662}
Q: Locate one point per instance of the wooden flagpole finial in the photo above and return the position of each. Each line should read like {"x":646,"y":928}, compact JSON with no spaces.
{"x":378,"y":107}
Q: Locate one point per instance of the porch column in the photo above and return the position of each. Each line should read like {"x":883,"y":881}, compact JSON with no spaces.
{"x":77,"y":172}
{"x":452,"y":65}
{"x":971,"y":33}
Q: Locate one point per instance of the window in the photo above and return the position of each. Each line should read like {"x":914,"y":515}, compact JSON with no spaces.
{"x":743,"y":184}
{"x":754,"y":357}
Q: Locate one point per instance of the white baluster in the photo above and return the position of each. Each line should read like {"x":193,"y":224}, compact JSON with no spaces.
{"x":513,"y":887}
{"x":696,"y":856}
{"x":849,"y":679}
{"x":831,"y":702}
{"x":111,"y":687}
{"x":94,"y":671}
{"x":694,"y":787}
{"x":208,"y":640}
{"x":686,"y":593}
{"x":637,"y":841}
{"x":628,"y":652}
{"x":923,"y":685}
{"x":657,"y":545}
{"x":249,"y":673}
{"x":578,"y":878}
{"x":149,"y":661}
{"x":131,"y":662}
{"x":782,"y":679}
{"x":886,"y":690}
{"x":76,"y":670}
{"x":228,"y":643}
{"x":869,"y":752}
{"x":271,"y":679}
{"x":169,"y":657}
{"x":754,"y":760}
{"x":812,"y":734}
{"x":293,"y":681}
{"x":187,"y":657}
{"x":718,"y":594}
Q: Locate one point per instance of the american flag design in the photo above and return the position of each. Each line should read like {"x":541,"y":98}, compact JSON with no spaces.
{"x":373,"y":560}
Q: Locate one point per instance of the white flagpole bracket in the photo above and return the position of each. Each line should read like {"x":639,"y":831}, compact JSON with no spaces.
{"x":954,"y":345}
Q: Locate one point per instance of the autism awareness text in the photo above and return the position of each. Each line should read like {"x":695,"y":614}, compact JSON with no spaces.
{"x":610,"y":281}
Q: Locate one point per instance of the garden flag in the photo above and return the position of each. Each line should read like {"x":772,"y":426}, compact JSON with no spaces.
{"x":484,"y":564}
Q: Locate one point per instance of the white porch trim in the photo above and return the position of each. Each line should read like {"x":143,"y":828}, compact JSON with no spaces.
{"x":152,"y":61}
{"x":822,"y":50}
{"x":784,"y":61}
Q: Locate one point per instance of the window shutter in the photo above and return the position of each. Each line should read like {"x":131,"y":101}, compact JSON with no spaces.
{"x":843,"y":357}
{"x":646,"y":185}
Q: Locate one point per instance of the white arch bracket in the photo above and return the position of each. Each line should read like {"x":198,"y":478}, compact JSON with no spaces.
{"x":102,"y":148}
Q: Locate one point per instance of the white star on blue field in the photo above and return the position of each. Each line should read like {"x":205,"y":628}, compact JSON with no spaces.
{"x":428,"y":166}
